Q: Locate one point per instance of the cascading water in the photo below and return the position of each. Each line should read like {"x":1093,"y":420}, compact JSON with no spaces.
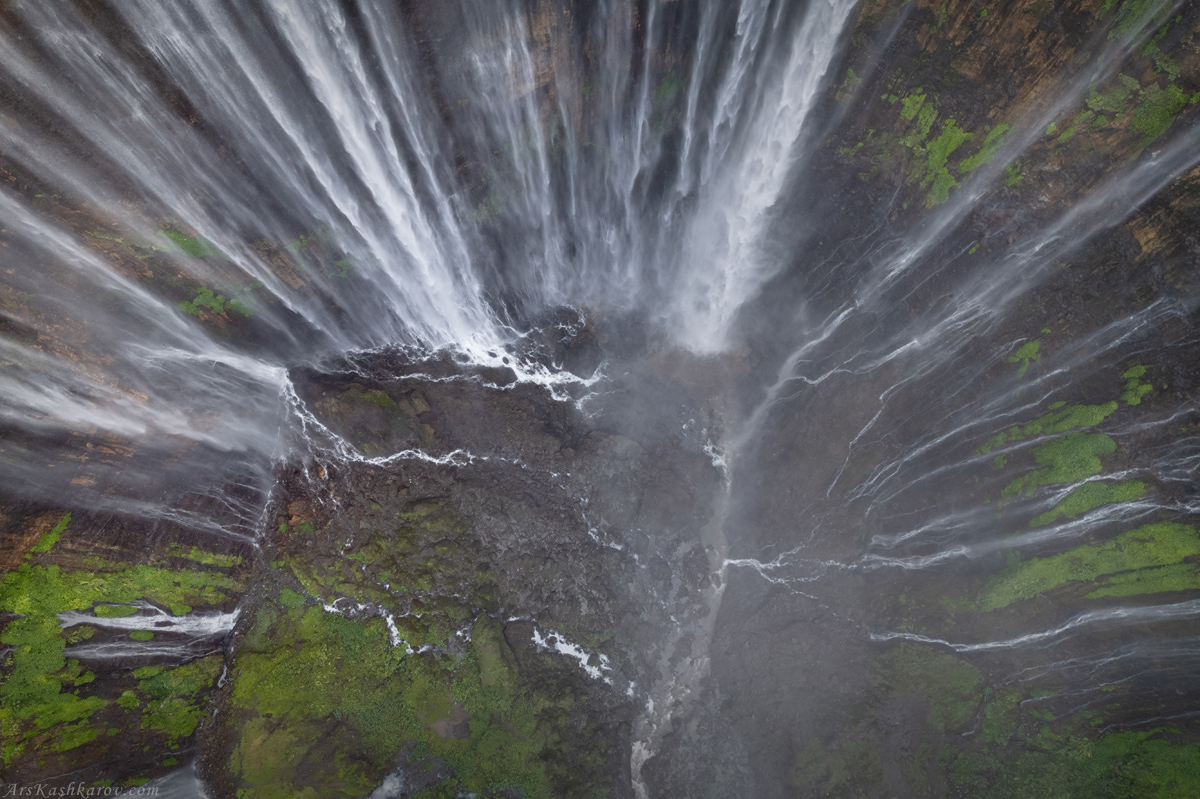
{"x":885,"y":515}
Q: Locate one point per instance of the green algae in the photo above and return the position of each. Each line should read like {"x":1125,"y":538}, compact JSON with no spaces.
{"x":1028,"y":352}
{"x":1058,"y":421}
{"x":1069,"y":459}
{"x":1146,"y":549}
{"x":1090,"y":496}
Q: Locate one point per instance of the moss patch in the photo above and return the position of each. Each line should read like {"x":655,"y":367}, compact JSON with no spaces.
{"x":1028,"y":352}
{"x":1134,"y":388}
{"x":38,"y":703}
{"x":326,"y":705}
{"x":1058,"y":421}
{"x":1089,"y":496}
{"x":1131,"y":563}
{"x":1069,"y":459}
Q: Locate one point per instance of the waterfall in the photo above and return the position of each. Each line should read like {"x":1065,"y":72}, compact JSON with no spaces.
{"x":201,"y":200}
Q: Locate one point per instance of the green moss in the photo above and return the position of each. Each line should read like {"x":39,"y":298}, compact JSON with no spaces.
{"x":1175,"y":577}
{"x":379,"y":398}
{"x":1122,"y":764}
{"x":852,"y":769}
{"x":196,"y":247}
{"x":1131,"y":15}
{"x":1089,"y":496}
{"x":668,"y":89}
{"x":141,"y":635}
{"x":203,"y":556}
{"x":1000,"y":718}
{"x":1116,"y":100}
{"x":1146,"y":549}
{"x":849,"y":86}
{"x":1162,"y":61}
{"x":47,"y":541}
{"x":1058,"y":421}
{"x":187,"y":680}
{"x":31,"y":695}
{"x":1135,"y":389}
{"x":176,"y":717}
{"x":987,"y":151}
{"x":114,"y":611}
{"x":1028,"y":352}
{"x":333,"y":685}
{"x":1012,"y":174}
{"x":1156,"y":109}
{"x":180,"y":609}
{"x":1054,"y":406}
{"x":949,"y":685}
{"x":911,"y":105}
{"x":1069,"y":459}
{"x":936,"y":174}
{"x":290,"y":598}
{"x":206,"y":302}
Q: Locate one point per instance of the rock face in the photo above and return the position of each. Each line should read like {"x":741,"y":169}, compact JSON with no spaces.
{"x":480,"y":604}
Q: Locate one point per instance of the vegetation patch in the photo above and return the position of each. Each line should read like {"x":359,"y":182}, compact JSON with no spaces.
{"x":1135,"y":389}
{"x":197,"y":247}
{"x":47,"y":541}
{"x":207,"y":303}
{"x":40,"y":702}
{"x":950,"y":685}
{"x":323,"y":702}
{"x":1058,"y":421}
{"x":1147,"y":559}
{"x":1028,"y":352}
{"x":1089,"y":496}
{"x":1141,"y":764}
{"x":1069,"y":459}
